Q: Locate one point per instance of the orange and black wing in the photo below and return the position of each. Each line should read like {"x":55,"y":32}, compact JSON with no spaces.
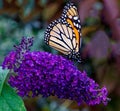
{"x":64,"y":34}
{"x":60,"y":37}
{"x":70,"y":16}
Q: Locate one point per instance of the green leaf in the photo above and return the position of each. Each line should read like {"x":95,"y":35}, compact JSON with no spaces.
{"x":3,"y":75}
{"x":10,"y":101}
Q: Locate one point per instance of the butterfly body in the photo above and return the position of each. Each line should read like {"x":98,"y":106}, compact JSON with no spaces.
{"x":64,"y":34}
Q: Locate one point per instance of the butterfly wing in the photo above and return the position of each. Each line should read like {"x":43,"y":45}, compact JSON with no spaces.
{"x":70,"y":16}
{"x":64,"y":34}
{"x":60,"y":37}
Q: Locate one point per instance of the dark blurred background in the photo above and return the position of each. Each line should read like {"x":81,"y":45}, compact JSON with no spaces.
{"x":100,"y":51}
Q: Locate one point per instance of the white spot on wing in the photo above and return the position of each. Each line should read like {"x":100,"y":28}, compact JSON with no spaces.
{"x":75,"y":18}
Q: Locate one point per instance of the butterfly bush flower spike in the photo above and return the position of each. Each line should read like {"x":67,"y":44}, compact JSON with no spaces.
{"x":14,"y":58}
{"x":41,"y":73}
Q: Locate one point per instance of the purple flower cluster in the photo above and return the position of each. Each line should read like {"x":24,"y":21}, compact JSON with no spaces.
{"x":47,"y":74}
{"x":14,"y":58}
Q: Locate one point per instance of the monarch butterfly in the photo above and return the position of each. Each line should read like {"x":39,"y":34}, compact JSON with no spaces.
{"x":64,"y":34}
